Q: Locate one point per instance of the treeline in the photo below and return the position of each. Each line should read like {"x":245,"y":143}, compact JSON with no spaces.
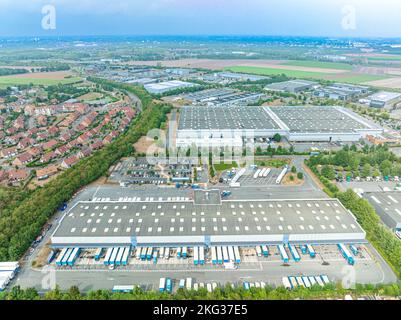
{"x":374,"y":160}
{"x":12,"y":71}
{"x":226,"y":293}
{"x":58,"y":67}
{"x":19,"y":227}
{"x":64,"y":92}
{"x":380,"y":236}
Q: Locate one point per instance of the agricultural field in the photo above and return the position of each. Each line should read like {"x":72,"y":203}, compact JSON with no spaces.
{"x":277,"y":71}
{"x":319,"y":64}
{"x":361,"y":78}
{"x":9,"y":81}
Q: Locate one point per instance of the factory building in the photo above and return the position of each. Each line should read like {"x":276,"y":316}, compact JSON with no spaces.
{"x":223,"y":97}
{"x":292,"y":86}
{"x":214,"y":125}
{"x":162,"y":87}
{"x":341,"y":91}
{"x":383,"y":99}
{"x":206,"y":220}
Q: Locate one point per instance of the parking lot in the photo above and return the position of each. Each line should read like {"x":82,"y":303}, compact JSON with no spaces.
{"x":248,"y":180}
{"x":325,"y":254}
{"x":369,"y":268}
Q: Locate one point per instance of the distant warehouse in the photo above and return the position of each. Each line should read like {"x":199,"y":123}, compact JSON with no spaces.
{"x":173,"y":222}
{"x":383,"y":99}
{"x":292,"y":86}
{"x":341,"y":91}
{"x":216,"y":125}
{"x":163,"y":87}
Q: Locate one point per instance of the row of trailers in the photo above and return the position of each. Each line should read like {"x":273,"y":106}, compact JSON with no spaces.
{"x":261,"y":173}
{"x":293,"y":282}
{"x":305,"y":249}
{"x":115,"y":256}
{"x":68,"y":256}
{"x":225,"y":254}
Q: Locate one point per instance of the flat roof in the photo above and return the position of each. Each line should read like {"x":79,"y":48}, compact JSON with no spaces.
{"x":387,"y":205}
{"x":225,"y":117}
{"x":290,"y":85}
{"x":385,"y":96}
{"x":185,"y":218}
{"x":323,"y":119}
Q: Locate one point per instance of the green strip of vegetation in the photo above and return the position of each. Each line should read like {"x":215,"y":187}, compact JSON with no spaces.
{"x":227,"y":293}
{"x":20,"y":226}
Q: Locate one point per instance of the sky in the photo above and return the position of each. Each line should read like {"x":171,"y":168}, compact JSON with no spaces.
{"x":342,"y":18}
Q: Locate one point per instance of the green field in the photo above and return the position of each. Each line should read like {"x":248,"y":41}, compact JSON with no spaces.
{"x":384,"y":58}
{"x":319,"y":64}
{"x":275,"y":71}
{"x":10,"y":81}
{"x":361,"y":78}
{"x":225,"y":166}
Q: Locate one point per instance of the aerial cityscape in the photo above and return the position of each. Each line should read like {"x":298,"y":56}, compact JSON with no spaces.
{"x":179,"y":160}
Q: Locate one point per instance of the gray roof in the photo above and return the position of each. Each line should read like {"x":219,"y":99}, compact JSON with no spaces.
{"x":184,"y":218}
{"x":227,"y":117}
{"x":388,"y":206}
{"x":318,"y":119}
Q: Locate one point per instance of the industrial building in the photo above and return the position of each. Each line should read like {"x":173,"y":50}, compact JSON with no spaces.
{"x":341,"y":91}
{"x":218,"y":125}
{"x":206,"y":220}
{"x":383,"y":99}
{"x":240,"y":76}
{"x":292,"y":86}
{"x":162,"y":87}
{"x":324,"y":124}
{"x":223,"y":125}
{"x":388,"y":207}
{"x":223,"y":97}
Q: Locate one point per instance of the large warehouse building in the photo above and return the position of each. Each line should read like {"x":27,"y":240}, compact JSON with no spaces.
{"x":206,"y":220}
{"x":216,"y":125}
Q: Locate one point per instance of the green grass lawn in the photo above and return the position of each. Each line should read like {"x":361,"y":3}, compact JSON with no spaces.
{"x":274,"y":71}
{"x":275,"y":163}
{"x":319,"y":64}
{"x":9,"y":81}
{"x":224,"y":166}
{"x":361,"y":78}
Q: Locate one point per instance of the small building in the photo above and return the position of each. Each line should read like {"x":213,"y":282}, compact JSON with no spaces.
{"x":8,"y":152}
{"x":47,"y":172}
{"x":69,"y":162}
{"x":18,"y":175}
{"x":23,"y":159}
{"x":384,"y":99}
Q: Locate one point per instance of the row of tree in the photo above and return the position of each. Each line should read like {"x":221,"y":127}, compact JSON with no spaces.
{"x":225,"y":293}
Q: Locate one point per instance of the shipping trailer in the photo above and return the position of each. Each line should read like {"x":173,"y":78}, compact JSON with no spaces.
{"x":283,"y":253}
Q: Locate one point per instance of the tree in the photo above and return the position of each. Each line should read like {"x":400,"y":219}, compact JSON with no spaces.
{"x":328,"y":172}
{"x":293,"y":169}
{"x":300,"y":175}
{"x":277,"y":137}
